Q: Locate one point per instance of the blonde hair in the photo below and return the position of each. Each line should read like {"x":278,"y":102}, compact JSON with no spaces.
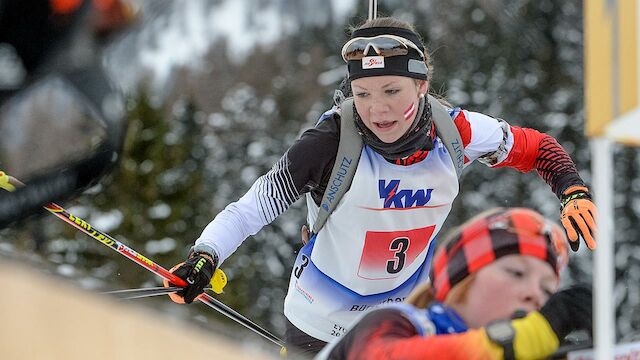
{"x":423,"y":294}
{"x":458,"y":294}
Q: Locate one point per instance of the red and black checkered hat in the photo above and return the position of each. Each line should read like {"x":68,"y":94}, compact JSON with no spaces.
{"x":494,"y":234}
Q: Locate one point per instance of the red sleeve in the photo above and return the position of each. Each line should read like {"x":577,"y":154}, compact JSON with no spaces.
{"x":523,"y":154}
{"x":534,"y":150}
{"x":387,"y":334}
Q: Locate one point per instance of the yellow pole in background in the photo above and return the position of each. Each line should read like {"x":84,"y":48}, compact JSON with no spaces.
{"x":612,"y":89}
{"x":628,"y":62}
{"x":598,"y":59}
{"x":611,"y":62}
{"x":625,"y":127}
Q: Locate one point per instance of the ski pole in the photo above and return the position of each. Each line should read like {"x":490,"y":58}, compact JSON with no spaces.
{"x":217,"y":283}
{"x":138,"y":258}
{"x":373,"y":9}
{"x":128,"y":294}
{"x":564,"y":350}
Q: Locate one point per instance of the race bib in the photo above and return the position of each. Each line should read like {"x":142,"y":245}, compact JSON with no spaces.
{"x":385,"y":254}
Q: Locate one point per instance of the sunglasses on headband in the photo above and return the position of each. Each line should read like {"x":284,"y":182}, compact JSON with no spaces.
{"x":383,"y":45}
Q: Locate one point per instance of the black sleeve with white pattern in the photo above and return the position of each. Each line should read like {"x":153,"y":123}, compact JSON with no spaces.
{"x":305,"y":167}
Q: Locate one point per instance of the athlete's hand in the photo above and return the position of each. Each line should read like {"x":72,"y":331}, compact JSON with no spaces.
{"x":578,"y":216}
{"x":305,"y":234}
{"x":568,"y":310}
{"x":539,"y":334}
{"x":196,"y":272}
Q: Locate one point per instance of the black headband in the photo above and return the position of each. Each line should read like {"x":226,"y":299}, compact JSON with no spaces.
{"x":410,"y":65}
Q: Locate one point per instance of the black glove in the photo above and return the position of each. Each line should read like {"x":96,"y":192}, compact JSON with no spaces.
{"x":568,"y":310}
{"x":197,"y":272}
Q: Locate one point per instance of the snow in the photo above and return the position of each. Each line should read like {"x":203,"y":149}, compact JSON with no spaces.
{"x":6,"y":248}
{"x":163,"y":246}
{"x":343,"y":8}
{"x":186,"y":30}
{"x":106,"y":221}
{"x":66,"y":270}
{"x":159,"y":211}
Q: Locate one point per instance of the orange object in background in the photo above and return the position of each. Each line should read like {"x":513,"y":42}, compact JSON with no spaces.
{"x":63,"y":7}
{"x":106,"y":15}
{"x":111,"y":15}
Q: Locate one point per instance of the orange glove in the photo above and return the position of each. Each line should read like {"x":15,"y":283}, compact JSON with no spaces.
{"x":578,"y":216}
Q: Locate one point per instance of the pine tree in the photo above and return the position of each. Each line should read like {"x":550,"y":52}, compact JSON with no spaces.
{"x":158,"y":190}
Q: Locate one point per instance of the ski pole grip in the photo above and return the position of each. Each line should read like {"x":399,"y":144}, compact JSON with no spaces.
{"x":218,"y":281}
{"x":5,"y":182}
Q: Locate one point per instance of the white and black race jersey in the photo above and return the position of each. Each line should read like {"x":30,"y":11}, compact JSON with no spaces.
{"x":377,"y":244}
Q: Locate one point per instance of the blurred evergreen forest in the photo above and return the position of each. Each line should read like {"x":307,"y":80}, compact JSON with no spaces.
{"x":220,"y":125}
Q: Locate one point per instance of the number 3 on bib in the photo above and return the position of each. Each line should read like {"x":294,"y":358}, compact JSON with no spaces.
{"x":386,"y":253}
{"x":400,"y":245}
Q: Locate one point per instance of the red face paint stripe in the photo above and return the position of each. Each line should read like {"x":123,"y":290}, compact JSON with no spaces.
{"x":408,"y":114}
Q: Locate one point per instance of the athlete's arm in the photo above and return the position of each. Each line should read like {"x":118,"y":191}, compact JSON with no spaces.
{"x":300,"y":170}
{"x":497,"y":144}
{"x":534,"y":150}
{"x":524,"y":150}
{"x":388,"y":334}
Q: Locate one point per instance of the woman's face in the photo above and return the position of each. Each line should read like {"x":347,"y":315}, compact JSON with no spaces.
{"x":387,"y":104}
{"x":511,"y":283}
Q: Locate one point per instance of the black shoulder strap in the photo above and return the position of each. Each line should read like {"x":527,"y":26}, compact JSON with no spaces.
{"x":350,"y":148}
